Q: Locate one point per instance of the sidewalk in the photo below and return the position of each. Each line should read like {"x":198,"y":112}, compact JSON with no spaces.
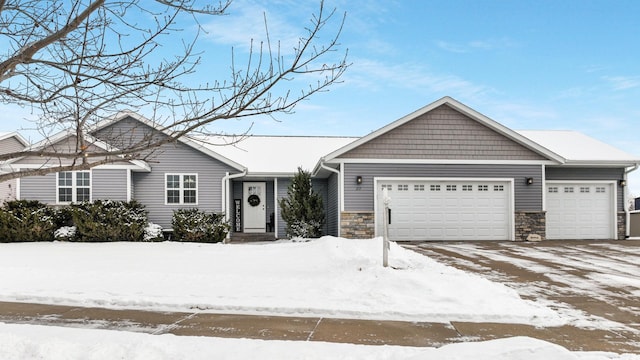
{"x":369,"y":332}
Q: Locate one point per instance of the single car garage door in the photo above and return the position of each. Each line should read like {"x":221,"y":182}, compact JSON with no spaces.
{"x":580,"y":211}
{"x":447,"y":209}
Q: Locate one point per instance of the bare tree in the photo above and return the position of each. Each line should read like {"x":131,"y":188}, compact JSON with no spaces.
{"x":75,"y":63}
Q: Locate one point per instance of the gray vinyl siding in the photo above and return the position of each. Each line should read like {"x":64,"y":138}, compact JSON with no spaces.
{"x":180,"y":159}
{"x":109,"y":184}
{"x":360,"y":198}
{"x":8,"y":190}
{"x":443,"y":133}
{"x":106,"y":184}
{"x":173,"y":158}
{"x":319,"y":185}
{"x":41,"y":188}
{"x":590,"y":174}
{"x":333,"y":205}
{"x":10,"y":144}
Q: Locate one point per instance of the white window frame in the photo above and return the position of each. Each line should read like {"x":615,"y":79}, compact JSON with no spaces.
{"x":180,"y":188}
{"x":74,"y":186}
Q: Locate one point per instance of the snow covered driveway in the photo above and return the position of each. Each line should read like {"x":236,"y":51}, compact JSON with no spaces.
{"x":592,"y":284}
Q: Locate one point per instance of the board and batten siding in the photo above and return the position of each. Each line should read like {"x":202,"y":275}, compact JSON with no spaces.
{"x":443,"y":133}
{"x":360,"y":197}
{"x":319,"y":186}
{"x":590,"y":174}
{"x":333,"y":205}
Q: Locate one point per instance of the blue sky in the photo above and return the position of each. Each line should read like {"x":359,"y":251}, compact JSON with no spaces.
{"x":526,"y":64}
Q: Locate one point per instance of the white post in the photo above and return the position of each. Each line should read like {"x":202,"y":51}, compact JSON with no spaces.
{"x":385,"y":227}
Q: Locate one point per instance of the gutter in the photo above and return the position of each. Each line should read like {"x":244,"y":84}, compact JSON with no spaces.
{"x":225,"y":195}
{"x":627,"y":214}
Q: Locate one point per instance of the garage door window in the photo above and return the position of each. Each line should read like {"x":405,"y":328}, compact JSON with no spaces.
{"x":467,"y":187}
{"x":388,"y":187}
{"x":452,"y":187}
{"x":418,"y":187}
{"x":403,"y":187}
{"x":553,"y":189}
{"x":434,"y":188}
{"x":601,"y":190}
{"x":568,"y":189}
{"x":584,"y":190}
{"x":483,"y":187}
{"x":498,"y":187}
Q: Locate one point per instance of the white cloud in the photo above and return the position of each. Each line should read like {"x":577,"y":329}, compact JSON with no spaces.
{"x":476,"y":45}
{"x":622,"y":82}
{"x":376,"y":75}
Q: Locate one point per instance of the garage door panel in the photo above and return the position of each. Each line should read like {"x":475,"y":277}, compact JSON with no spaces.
{"x":580,"y":211}
{"x":450,"y":210}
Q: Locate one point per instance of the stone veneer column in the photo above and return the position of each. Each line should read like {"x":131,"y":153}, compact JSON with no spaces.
{"x":357,"y":224}
{"x":622,"y":225}
{"x":530,"y":222}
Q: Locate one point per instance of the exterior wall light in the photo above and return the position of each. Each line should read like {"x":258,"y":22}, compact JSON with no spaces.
{"x":529,"y":181}
{"x":359,"y":180}
{"x":623,"y":183}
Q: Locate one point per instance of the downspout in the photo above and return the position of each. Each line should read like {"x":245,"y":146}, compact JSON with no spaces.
{"x":225,"y":195}
{"x":322,"y":165}
{"x":627,"y":214}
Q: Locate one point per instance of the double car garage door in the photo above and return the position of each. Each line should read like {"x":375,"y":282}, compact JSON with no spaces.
{"x":448,"y":210}
{"x":483,"y":210}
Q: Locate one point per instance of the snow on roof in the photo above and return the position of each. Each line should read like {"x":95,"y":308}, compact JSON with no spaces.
{"x":578,"y":147}
{"x":274,"y":154}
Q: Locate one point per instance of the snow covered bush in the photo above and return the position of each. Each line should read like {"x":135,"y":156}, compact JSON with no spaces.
{"x":198,"y":226}
{"x":107,"y":220}
{"x":28,"y":220}
{"x":153,"y":232}
{"x":302,"y":209}
{"x":65,"y":233}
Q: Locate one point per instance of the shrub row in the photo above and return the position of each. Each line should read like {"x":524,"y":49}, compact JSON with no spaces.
{"x":102,"y":221}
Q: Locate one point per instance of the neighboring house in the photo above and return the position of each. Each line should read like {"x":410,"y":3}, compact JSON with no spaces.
{"x":451,"y":172}
{"x":9,"y":143}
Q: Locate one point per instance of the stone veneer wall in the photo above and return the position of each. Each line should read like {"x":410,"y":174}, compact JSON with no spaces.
{"x":530,"y":222}
{"x":357,"y":225}
{"x":622,"y":225}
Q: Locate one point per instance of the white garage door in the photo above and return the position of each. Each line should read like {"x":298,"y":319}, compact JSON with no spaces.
{"x":580,"y":211}
{"x":447,"y":210}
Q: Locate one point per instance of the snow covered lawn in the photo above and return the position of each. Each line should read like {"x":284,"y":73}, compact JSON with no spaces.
{"x":329,"y":277}
{"x":24,"y":342}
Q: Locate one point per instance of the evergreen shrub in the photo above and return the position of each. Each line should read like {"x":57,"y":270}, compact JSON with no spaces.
{"x":107,"y":220}
{"x":302,"y":209}
{"x":194,"y":225}
{"x":28,"y":220}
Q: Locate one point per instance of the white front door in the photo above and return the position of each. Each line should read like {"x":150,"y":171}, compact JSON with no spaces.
{"x":254,"y":207}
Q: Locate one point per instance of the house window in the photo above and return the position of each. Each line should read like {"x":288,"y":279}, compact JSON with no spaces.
{"x":181,"y":189}
{"x":74,"y":186}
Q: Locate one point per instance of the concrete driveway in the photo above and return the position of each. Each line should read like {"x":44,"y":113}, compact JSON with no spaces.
{"x":593,"y":284}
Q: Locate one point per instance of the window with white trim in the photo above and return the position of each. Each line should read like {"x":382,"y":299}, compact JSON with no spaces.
{"x":73,"y":187}
{"x":181,"y":189}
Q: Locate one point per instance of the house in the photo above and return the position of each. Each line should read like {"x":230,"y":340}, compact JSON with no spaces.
{"x":10,"y":143}
{"x":451,"y":172}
